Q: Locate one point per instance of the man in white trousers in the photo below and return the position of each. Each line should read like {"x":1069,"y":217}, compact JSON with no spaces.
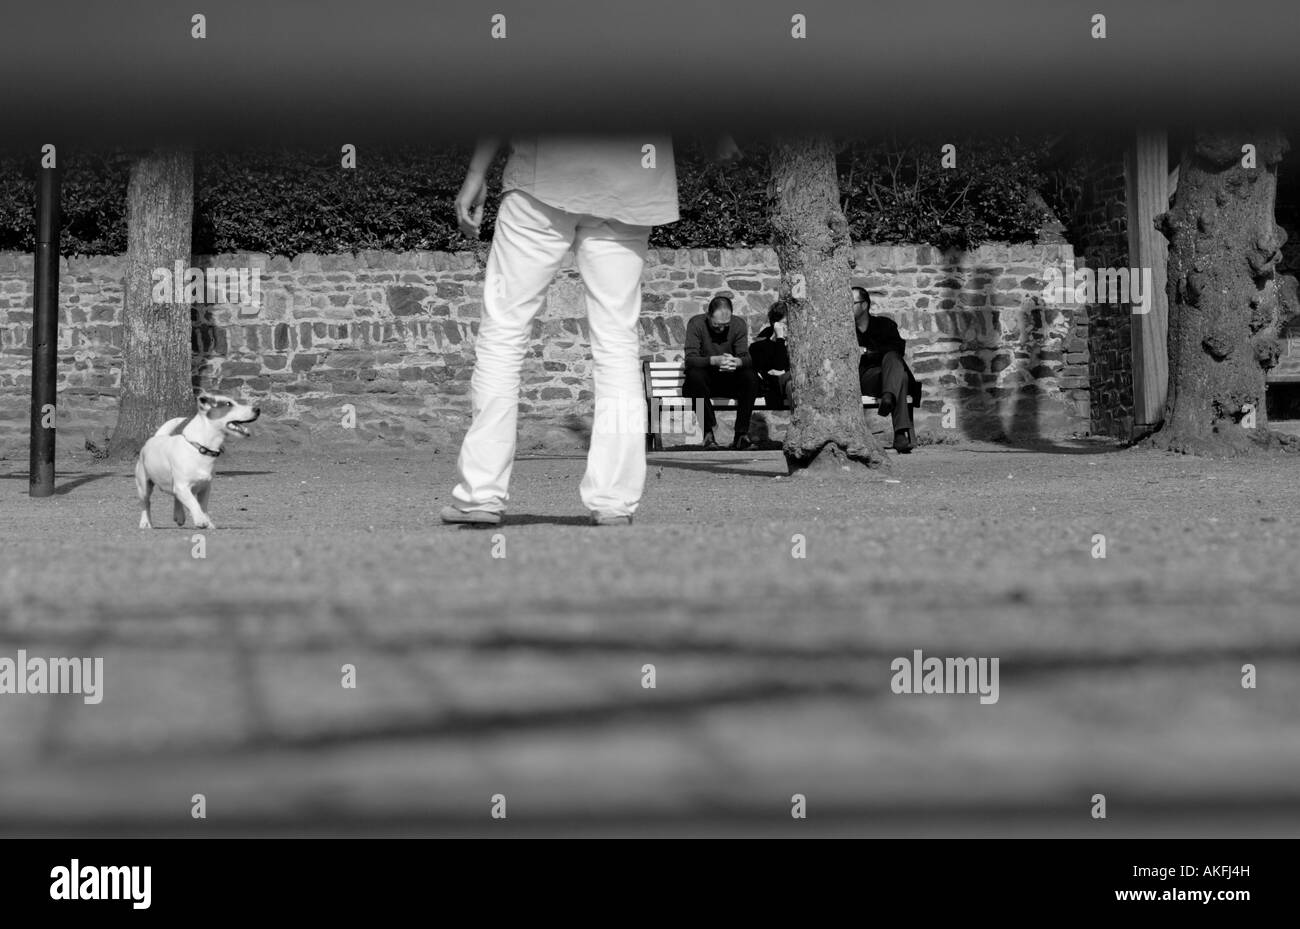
{"x":599,"y":197}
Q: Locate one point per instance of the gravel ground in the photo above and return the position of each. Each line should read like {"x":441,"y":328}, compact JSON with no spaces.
{"x":511,"y":661}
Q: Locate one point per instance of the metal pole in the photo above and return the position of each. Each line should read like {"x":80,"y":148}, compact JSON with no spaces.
{"x":45,"y":333}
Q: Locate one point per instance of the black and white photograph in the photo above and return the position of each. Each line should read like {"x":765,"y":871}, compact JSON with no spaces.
{"x":711,"y":420}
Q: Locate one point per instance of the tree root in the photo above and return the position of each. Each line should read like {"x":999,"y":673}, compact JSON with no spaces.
{"x":835,"y":461}
{"x":1229,"y":443}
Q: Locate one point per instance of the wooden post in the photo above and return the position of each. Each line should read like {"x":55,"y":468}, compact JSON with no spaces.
{"x":45,"y":334}
{"x":1146,"y":176}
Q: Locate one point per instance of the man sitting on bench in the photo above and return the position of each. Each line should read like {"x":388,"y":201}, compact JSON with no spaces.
{"x":718,"y":362}
{"x":882,"y":371}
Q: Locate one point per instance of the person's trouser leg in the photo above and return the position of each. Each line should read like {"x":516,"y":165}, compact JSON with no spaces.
{"x":871,"y":380}
{"x":610,"y":257}
{"x":528,"y":247}
{"x":744,"y":388}
{"x":893,"y":379}
{"x":697,"y":387}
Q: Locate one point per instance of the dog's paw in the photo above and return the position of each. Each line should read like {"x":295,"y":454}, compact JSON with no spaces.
{"x":144,"y":523}
{"x":204,"y":523}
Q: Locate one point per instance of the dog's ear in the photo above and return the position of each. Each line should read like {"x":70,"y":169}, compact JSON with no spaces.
{"x":205,"y":402}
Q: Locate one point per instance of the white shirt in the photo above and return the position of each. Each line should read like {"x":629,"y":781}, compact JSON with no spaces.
{"x":599,"y":175}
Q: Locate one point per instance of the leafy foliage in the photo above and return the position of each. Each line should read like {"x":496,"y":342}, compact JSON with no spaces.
{"x":92,"y":199}
{"x":896,"y":191}
{"x":288,"y":202}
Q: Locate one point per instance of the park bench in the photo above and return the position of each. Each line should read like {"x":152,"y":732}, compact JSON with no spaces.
{"x":663,"y":396}
{"x":1287,"y":369}
{"x":1283,"y":381}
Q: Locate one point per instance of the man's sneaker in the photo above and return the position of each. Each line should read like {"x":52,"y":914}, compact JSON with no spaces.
{"x":903,"y":441}
{"x":740,"y":443}
{"x":709,"y":441}
{"x":887,"y":403}
{"x":454,"y":514}
{"x":610,"y":519}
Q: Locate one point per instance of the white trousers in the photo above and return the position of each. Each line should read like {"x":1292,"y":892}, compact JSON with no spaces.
{"x":528,"y":247}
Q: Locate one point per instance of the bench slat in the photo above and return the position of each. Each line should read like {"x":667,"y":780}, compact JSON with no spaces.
{"x":667,"y":378}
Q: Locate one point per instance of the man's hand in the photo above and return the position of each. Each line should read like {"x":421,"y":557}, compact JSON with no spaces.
{"x":469,"y":203}
{"x":729,"y":363}
{"x":473,"y":192}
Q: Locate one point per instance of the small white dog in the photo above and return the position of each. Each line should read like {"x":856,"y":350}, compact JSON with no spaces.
{"x":182,"y":456}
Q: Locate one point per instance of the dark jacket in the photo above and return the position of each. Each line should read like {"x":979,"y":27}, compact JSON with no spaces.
{"x":769,"y":352}
{"x":701,"y":344}
{"x":880,"y":338}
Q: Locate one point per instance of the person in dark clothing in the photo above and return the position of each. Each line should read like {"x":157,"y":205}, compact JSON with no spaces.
{"x":882,"y":371}
{"x":770,"y":355}
{"x":718,"y":364}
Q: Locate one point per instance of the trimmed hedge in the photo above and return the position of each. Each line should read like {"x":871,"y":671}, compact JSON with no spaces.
{"x":289,"y":202}
{"x":92,"y":198}
{"x":896,"y":192}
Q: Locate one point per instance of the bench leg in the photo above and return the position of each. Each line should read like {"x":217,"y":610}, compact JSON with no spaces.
{"x":654,"y":416}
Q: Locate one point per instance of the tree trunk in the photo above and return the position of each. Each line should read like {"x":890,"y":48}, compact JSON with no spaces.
{"x":156,"y":382}
{"x":1225,"y":299}
{"x":828,"y":430}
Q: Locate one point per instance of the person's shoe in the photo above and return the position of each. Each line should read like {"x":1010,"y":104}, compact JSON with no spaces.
{"x":454,"y":514}
{"x":610,"y":519}
{"x":903,"y":442}
{"x":709,"y":441}
{"x":887,"y":403}
{"x":740,"y":443}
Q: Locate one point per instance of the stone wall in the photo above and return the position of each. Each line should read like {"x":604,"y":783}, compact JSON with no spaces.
{"x":995,"y":360}
{"x":392,"y":336}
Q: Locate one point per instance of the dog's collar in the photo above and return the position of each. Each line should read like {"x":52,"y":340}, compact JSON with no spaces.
{"x":204,"y":450}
